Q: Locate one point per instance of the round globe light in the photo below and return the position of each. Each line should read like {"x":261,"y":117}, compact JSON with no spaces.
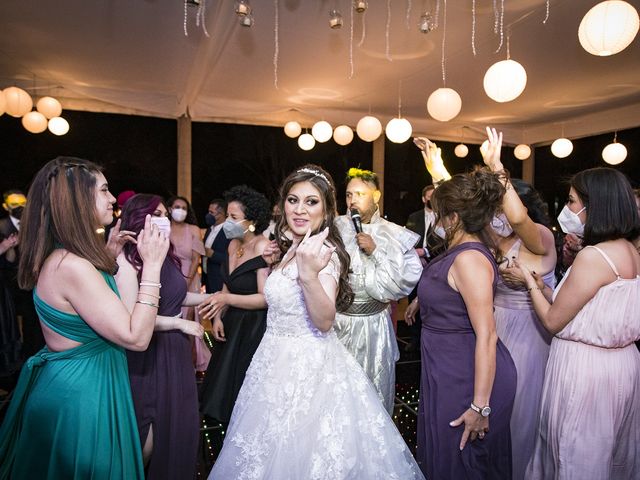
{"x":614,"y":153}
{"x":49,"y":107}
{"x":522,"y":151}
{"x":398,"y":130}
{"x":484,"y":147}
{"x":369,"y":128}
{"x":34,"y":122}
{"x":18,"y":102}
{"x":505,"y":81}
{"x":444,"y":104}
{"x":3,"y":103}
{"x":562,"y":147}
{"x":306,"y":141}
{"x":322,"y":131}
{"x":292,"y":129}
{"x":58,"y":126}
{"x":343,"y":135}
{"x":608,"y":28}
{"x":461,"y":150}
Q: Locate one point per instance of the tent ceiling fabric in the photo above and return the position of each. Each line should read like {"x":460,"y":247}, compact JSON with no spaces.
{"x":131,"y":56}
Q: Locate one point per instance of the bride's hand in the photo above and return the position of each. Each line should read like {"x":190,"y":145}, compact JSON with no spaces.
{"x":310,"y":255}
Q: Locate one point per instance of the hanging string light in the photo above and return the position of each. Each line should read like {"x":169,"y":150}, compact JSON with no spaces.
{"x":504,"y":81}
{"x":399,"y":129}
{"x":276,"y":42}
{"x":386,"y":33}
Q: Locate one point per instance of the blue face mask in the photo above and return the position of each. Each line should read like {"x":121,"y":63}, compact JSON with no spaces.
{"x":233,"y":229}
{"x":210,"y":219}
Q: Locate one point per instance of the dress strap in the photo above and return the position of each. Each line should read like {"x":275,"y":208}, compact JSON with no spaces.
{"x":606,"y":257}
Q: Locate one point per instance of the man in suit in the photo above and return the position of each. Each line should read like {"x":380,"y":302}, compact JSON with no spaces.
{"x":215,"y":245}
{"x":14,"y":202}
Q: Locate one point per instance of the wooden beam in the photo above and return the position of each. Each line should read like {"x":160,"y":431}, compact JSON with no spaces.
{"x":184,"y":157}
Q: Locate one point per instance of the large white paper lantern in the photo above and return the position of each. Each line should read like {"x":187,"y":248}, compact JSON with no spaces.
{"x":461,"y":150}
{"x":522,"y":151}
{"x":505,"y":81}
{"x":2,"y":102}
{"x":34,"y":122}
{"x":49,"y":107}
{"x":306,"y":141}
{"x":322,"y":131}
{"x":17,"y":101}
{"x":369,"y":128}
{"x":608,"y":28}
{"x":58,"y":126}
{"x":562,"y":147}
{"x":292,"y":129}
{"x":444,"y":104}
{"x":398,"y":130}
{"x":614,"y":153}
{"x":343,"y":135}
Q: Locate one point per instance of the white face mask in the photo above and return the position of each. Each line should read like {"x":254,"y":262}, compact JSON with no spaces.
{"x":178,"y":214}
{"x":163,"y":224}
{"x":440,"y":231}
{"x":570,"y":222}
{"x":501,"y":226}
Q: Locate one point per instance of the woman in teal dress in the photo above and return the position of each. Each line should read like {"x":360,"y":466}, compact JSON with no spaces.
{"x":71,"y":415}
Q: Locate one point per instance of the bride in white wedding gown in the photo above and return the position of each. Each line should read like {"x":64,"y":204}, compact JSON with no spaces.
{"x":306,"y":409}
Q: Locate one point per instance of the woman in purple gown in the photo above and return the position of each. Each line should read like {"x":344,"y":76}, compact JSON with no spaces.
{"x":162,"y":377}
{"x":468,"y":377}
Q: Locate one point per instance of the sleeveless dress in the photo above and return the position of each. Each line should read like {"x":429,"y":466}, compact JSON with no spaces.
{"x":528,"y":343}
{"x":243,"y":330}
{"x":447,"y":382}
{"x":164,"y":390}
{"x":306,"y":409}
{"x":590,"y":412}
{"x":71,"y":415}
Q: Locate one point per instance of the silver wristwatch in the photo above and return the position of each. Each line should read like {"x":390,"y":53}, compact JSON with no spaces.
{"x":484,"y":411}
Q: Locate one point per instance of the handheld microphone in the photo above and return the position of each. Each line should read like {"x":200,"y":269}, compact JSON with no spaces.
{"x":356,"y":219}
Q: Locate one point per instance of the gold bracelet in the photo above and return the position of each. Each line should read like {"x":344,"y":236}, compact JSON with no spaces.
{"x":148,"y":303}
{"x":150,"y":295}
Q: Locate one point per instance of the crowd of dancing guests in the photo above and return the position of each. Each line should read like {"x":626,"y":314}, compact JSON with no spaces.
{"x":520,"y":377}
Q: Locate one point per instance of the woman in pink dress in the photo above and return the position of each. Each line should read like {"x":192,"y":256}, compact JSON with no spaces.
{"x":590,"y":411}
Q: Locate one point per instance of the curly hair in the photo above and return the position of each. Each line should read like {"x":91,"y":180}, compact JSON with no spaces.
{"x":536,"y":207}
{"x":474,"y":197}
{"x":255,"y":205}
{"x":322,"y":181}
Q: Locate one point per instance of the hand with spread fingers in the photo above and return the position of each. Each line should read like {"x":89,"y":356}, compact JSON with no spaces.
{"x":432,"y":156}
{"x":475,"y":426}
{"x":215,"y":305}
{"x":491,"y":155}
{"x":118,"y":238}
{"x":310,"y":255}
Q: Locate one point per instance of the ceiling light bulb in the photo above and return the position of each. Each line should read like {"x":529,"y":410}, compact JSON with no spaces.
{"x":292,"y":129}
{"x":614,"y":153}
{"x":34,"y":122}
{"x":58,"y":126}
{"x":17,"y":101}
{"x":562,"y":147}
{"x":306,"y":141}
{"x":360,"y":5}
{"x":398,"y":130}
{"x":322,"y":131}
{"x":522,"y":151}
{"x":505,"y":81}
{"x":369,"y":128}
{"x":335,"y":19}
{"x":608,"y":28}
{"x":461,"y":150}
{"x":49,"y":107}
{"x":444,"y":104}
{"x":343,"y":135}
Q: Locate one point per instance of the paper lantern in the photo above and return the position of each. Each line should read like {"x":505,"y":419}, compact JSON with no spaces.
{"x":562,"y":147}
{"x":608,"y":28}
{"x":49,"y":107}
{"x":292,"y":129}
{"x":398,"y":130}
{"x":58,"y":126}
{"x":461,"y":150}
{"x":505,"y":81}
{"x":322,"y":131}
{"x":343,"y":135}
{"x":369,"y":128}
{"x":306,"y":141}
{"x":17,"y":101}
{"x":2,"y":102}
{"x":444,"y":104}
{"x":522,"y":151}
{"x":614,"y":153}
{"x":34,"y":122}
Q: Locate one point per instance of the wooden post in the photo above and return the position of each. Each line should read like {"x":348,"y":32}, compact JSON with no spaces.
{"x":378,"y":167}
{"x":529,"y":168}
{"x":184,"y":157}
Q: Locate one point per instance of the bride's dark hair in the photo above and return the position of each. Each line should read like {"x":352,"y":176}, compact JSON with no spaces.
{"x":322,"y":181}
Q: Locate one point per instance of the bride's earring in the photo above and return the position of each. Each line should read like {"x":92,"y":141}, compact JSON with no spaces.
{"x":252,"y":228}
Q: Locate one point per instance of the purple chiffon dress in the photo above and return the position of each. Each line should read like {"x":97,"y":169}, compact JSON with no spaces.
{"x":164,"y":389}
{"x":447,"y":382}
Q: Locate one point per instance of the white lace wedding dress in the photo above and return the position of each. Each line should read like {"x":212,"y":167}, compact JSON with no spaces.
{"x":306,"y":409}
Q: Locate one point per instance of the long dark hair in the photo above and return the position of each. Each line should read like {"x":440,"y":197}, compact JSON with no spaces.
{"x":322,"y":181}
{"x":474,"y":197}
{"x":610,"y":205}
{"x":61,"y":211}
{"x":133,"y":216}
{"x":191,"y":214}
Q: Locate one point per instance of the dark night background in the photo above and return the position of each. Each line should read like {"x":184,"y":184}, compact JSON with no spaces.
{"x":140,"y":153}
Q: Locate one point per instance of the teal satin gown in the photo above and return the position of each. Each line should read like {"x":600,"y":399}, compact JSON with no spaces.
{"x":71,"y":415}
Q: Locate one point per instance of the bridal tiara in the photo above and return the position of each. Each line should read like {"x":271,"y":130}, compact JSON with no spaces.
{"x":314,"y":172}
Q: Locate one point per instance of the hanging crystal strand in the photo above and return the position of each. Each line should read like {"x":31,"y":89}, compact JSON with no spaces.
{"x":437,"y":14}
{"x":184,"y":24}
{"x":495,"y":16}
{"x":473,"y":27}
{"x":388,"y":46}
{"x":276,"y":47}
{"x":200,"y":17}
{"x":501,"y":26}
{"x":364,"y":29}
{"x":547,"y":16}
{"x":444,"y":38}
{"x":351,"y":47}
{"x":407,"y":17}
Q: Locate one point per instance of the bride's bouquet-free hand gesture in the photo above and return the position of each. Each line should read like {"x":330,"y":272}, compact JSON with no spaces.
{"x":311,"y":257}
{"x":491,"y":155}
{"x":432,"y":156}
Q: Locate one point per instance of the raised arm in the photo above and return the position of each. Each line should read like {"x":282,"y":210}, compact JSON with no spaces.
{"x":432,"y":156}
